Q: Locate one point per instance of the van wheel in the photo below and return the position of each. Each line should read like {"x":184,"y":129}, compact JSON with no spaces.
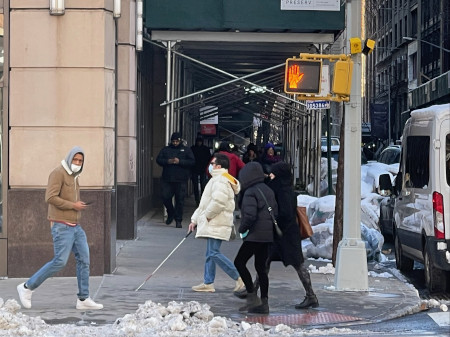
{"x":435,"y":278}
{"x":402,"y":262}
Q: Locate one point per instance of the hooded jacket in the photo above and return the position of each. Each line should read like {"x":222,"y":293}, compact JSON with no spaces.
{"x":254,"y":214}
{"x":180,"y":172}
{"x":63,"y":190}
{"x":288,"y":248}
{"x":216,"y":204}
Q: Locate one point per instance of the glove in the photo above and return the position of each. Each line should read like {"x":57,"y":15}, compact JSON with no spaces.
{"x":243,"y":235}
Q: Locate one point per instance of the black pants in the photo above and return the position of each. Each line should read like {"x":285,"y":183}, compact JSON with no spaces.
{"x":195,"y":178}
{"x":177,"y":189}
{"x":261,"y":251}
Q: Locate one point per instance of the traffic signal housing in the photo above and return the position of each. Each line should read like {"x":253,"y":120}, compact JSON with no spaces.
{"x":302,"y":76}
{"x":342,"y":80}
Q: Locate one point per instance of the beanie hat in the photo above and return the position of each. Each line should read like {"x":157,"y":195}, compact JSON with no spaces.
{"x":252,"y":146}
{"x":269,"y":145}
{"x":176,"y":136}
{"x":224,"y":146}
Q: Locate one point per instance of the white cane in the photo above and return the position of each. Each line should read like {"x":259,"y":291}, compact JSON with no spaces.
{"x":163,"y":261}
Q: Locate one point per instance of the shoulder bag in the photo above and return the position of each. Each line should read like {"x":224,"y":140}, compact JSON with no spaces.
{"x":275,"y":223}
{"x":303,"y":222}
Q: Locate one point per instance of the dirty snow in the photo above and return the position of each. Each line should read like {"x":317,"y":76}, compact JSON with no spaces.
{"x":151,"y":319}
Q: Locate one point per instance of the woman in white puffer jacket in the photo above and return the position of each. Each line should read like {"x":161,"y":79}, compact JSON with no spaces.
{"x":213,"y":220}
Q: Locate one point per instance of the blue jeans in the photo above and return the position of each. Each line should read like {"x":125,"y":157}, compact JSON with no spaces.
{"x":65,"y":240}
{"x":213,"y":257}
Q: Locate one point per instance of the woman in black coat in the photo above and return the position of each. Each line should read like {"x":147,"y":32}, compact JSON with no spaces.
{"x":256,"y":229}
{"x":288,"y":248}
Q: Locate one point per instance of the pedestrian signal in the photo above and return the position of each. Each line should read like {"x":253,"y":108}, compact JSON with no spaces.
{"x":302,"y":76}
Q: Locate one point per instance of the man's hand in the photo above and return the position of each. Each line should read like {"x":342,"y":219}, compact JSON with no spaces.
{"x":176,"y":160}
{"x":294,"y":76}
{"x":192,"y":227}
{"x":79,"y":206}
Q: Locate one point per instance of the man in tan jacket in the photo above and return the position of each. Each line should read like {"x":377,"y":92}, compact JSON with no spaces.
{"x":214,"y":221}
{"x":64,"y":211}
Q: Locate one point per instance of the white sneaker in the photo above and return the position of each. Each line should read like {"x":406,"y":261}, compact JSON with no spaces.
{"x":24,"y":295}
{"x":88,"y":304}
{"x":239,"y":285}
{"x":207,"y":288}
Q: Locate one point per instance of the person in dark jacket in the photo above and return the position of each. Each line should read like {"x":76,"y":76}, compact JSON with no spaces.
{"x":288,"y":248}
{"x":176,"y":161}
{"x":202,"y":156}
{"x":269,"y":157}
{"x":251,"y":154}
{"x":256,"y":229}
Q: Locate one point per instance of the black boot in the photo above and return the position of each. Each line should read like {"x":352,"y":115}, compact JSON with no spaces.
{"x":263,"y":308}
{"x":308,"y":302}
{"x":243,"y":293}
{"x":252,"y":301}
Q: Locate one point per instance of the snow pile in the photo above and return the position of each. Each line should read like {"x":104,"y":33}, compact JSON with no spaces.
{"x":321,"y":210}
{"x":151,"y":319}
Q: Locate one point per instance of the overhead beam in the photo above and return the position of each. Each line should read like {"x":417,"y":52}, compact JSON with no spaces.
{"x":163,"y":35}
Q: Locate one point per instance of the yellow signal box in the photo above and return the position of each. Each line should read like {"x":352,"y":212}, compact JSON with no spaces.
{"x":302,"y":76}
{"x":342,"y":80}
{"x":355,"y":45}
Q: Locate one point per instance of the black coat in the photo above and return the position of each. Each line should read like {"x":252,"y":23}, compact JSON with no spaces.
{"x":288,"y":249}
{"x":254,"y":214}
{"x":176,"y":172}
{"x":202,"y":157}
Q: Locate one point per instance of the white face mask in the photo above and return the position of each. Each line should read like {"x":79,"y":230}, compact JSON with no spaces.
{"x":75,"y":168}
{"x":210,"y":168}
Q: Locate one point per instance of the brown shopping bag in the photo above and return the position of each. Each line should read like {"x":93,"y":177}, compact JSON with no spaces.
{"x":303,"y":222}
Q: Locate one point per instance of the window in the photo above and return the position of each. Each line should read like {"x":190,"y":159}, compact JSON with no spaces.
{"x":417,"y":169}
{"x":414,"y":23}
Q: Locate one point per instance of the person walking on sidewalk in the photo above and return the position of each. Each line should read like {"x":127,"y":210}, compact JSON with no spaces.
{"x":236,"y":164}
{"x":288,"y":248}
{"x":202,"y":156}
{"x":64,"y":212}
{"x":257,"y":231}
{"x":214,"y":221}
{"x":176,"y":161}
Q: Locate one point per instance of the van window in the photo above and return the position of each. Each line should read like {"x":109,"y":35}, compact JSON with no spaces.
{"x":417,"y":170}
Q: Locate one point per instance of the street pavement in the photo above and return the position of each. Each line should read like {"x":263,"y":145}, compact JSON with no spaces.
{"x":54,"y":301}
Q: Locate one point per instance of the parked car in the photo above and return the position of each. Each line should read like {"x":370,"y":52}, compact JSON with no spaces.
{"x":386,"y":219}
{"x":421,"y":220}
{"x":390,"y":155}
{"x":335,"y":147}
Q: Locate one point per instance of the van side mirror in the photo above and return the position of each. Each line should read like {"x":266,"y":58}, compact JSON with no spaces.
{"x":385,"y":185}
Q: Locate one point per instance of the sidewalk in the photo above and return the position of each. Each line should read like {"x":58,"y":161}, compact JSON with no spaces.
{"x":55,"y":300}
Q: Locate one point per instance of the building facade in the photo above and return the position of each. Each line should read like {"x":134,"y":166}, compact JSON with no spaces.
{"x":62,"y":86}
{"x":412,"y":43}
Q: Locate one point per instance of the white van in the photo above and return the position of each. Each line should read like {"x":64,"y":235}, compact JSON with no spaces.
{"x":422,"y":196}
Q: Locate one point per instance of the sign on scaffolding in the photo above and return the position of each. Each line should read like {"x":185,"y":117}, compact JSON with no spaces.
{"x":209,"y":115}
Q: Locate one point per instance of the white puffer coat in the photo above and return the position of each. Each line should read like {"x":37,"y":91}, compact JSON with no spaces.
{"x":217,"y":205}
